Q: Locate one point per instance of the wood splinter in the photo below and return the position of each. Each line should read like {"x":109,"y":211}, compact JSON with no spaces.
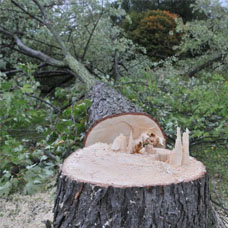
{"x":180,"y":155}
{"x":150,"y":143}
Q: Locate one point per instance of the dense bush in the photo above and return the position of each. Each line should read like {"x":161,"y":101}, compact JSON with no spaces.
{"x":200,"y":105}
{"x":182,"y":8}
{"x":35,"y":136}
{"x":154,"y":30}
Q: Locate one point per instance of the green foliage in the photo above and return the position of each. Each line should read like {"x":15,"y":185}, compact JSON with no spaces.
{"x":215,"y":158}
{"x":86,"y":29}
{"x":34,"y":138}
{"x":200,"y":105}
{"x":155,"y":30}
{"x":205,"y":40}
{"x":180,"y":7}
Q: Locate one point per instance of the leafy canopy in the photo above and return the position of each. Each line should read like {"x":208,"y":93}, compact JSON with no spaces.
{"x":85,"y":28}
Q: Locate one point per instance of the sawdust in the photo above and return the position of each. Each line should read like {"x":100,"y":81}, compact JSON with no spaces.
{"x":25,"y":211}
{"x":99,"y":164}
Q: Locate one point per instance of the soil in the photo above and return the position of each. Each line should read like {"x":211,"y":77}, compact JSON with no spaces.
{"x":25,"y":211}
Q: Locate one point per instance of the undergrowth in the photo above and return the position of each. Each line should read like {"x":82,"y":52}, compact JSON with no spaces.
{"x":215,"y":158}
{"x":36,"y":135}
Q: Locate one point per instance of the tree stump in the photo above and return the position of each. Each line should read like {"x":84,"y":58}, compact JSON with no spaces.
{"x":99,"y":187}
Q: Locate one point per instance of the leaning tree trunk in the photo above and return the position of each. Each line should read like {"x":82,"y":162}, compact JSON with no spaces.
{"x":107,"y":101}
{"x":83,"y":203}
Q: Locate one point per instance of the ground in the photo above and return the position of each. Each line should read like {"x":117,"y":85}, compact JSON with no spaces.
{"x":25,"y":211}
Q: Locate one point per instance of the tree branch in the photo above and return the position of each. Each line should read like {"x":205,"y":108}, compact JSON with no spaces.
{"x":91,"y":35}
{"x":51,"y":28}
{"x":204,"y":65}
{"x":26,"y":12}
{"x":47,"y":103}
{"x":38,"y":54}
{"x":115,"y":66}
{"x":72,"y":63}
{"x":31,"y":52}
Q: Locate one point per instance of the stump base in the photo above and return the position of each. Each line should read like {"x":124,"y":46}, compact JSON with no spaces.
{"x":105,"y":189}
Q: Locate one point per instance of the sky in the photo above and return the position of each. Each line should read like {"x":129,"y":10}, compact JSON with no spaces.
{"x":224,"y":2}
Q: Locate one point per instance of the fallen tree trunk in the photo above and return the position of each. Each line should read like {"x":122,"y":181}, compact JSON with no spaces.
{"x":91,"y":201}
{"x":107,"y":101}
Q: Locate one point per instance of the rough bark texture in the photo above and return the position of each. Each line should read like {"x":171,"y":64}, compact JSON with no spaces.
{"x":107,"y":101}
{"x":183,"y":205}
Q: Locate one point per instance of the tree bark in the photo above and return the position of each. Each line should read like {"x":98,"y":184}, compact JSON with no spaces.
{"x":107,"y":101}
{"x":84,"y":205}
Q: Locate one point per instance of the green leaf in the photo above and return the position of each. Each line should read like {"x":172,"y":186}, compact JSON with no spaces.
{"x":27,"y":88}
{"x":5,"y":189}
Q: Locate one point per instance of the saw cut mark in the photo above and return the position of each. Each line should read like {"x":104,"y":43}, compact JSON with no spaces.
{"x":110,"y":127}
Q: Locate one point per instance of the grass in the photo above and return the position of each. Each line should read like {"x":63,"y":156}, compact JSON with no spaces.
{"x":215,"y":158}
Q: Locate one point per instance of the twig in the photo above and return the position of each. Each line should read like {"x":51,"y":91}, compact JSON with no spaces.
{"x":50,"y":155}
{"x":131,"y":82}
{"x":90,"y":69}
{"x":121,"y":64}
{"x":51,"y":5}
{"x":42,"y":42}
{"x":208,"y":141}
{"x":47,"y":103}
{"x":51,"y":73}
{"x":18,"y":71}
{"x":74,"y":49}
{"x":219,"y":203}
{"x":73,"y":73}
{"x":31,"y":52}
{"x":72,"y":102}
{"x":115,"y":66}
{"x":217,"y":218}
{"x":91,"y":35}
{"x":26,"y":12}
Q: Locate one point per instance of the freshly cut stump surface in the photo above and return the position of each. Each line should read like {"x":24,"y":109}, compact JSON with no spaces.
{"x":107,"y":129}
{"x":99,"y":165}
{"x":98,"y":187}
